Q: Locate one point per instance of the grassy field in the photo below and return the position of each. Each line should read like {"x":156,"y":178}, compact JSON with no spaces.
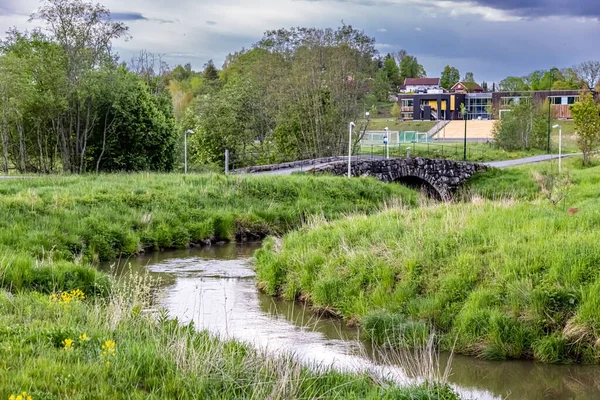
{"x":512,"y":272}
{"x":378,"y":124}
{"x":68,"y":331}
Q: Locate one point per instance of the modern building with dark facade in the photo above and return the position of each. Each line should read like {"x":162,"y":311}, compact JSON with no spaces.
{"x":484,"y":106}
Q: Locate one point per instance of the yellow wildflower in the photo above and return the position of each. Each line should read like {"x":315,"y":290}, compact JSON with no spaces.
{"x":108,"y":351}
{"x":68,"y":343}
{"x":84,"y":337}
{"x":67,"y":297}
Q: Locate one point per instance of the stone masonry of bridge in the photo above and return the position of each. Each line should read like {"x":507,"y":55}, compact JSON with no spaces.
{"x":444,"y":176}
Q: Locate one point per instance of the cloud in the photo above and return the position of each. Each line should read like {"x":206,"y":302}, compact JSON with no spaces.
{"x":544,"y":8}
{"x":383,"y":30}
{"x":128,"y":16}
{"x":136,"y":16}
{"x":211,"y":23}
{"x":418,"y":29}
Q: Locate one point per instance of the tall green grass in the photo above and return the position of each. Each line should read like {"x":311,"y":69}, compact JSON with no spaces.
{"x":503,"y":278}
{"x":51,"y":228}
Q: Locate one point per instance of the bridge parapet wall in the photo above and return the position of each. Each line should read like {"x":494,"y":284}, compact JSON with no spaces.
{"x":445,"y":176}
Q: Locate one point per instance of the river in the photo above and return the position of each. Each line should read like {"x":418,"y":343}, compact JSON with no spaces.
{"x":215,"y":288}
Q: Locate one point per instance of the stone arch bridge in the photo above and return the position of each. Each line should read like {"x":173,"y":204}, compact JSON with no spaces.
{"x":440,"y":178}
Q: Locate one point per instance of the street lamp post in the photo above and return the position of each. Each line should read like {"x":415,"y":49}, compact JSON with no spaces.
{"x":188,"y":132}
{"x":352,"y":125}
{"x":559,"y":147}
{"x":550,"y":104}
{"x":386,"y":141}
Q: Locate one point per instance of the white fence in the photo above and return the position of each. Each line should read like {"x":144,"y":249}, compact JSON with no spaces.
{"x":394,"y":137}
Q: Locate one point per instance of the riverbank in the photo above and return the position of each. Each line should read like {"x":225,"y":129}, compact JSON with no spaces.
{"x":511,"y":277}
{"x":52,"y":228}
{"x":67,"y":331}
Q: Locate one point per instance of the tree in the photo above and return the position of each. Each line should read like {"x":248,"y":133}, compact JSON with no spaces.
{"x":396,"y":110}
{"x":523,"y":128}
{"x":484,"y":86}
{"x":85,"y":33}
{"x":513,"y":84}
{"x":469,"y":77}
{"x":382,"y":85}
{"x":210,"y":72}
{"x":64,"y":101}
{"x":589,"y":73}
{"x":320,"y":81}
{"x":586,"y":115}
{"x":392,"y":70}
{"x":450,"y":77}
{"x":410,"y":68}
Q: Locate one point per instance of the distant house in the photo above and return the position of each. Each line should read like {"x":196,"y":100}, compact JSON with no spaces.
{"x":466,"y":87}
{"x":420,"y":85}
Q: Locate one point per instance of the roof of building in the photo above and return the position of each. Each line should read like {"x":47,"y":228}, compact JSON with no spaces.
{"x":470,"y":86}
{"x":422,"y":81}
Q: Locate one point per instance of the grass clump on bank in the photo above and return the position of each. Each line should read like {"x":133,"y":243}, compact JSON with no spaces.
{"x":497,"y":279}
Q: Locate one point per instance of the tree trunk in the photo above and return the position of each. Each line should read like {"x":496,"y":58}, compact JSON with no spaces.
{"x":22,"y":156}
{"x":5,"y":145}
{"x":85,"y":136}
{"x":104,"y":135}
{"x":65,"y":153}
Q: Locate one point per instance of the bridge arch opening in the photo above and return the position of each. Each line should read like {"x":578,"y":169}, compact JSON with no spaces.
{"x":422,"y":185}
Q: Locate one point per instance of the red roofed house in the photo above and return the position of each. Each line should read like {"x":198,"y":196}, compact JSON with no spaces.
{"x":420,"y":85}
{"x":466,"y":87}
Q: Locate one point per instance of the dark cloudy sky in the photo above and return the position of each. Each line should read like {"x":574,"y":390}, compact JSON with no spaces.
{"x":492,"y":38}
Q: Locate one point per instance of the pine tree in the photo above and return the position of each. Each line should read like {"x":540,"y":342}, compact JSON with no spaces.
{"x":396,"y":111}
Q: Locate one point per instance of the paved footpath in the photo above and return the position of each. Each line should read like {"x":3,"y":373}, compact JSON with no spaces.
{"x":527,"y":160}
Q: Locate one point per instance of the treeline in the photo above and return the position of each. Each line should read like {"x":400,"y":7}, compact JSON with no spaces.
{"x":66,"y":104}
{"x":583,"y":76}
{"x":290,"y":96}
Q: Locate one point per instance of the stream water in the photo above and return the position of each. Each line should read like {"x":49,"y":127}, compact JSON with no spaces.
{"x":215,"y":288}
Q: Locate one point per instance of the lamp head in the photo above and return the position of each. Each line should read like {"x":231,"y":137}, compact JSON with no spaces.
{"x":189,"y":132}
{"x":352,"y":124}
{"x":367,"y":113}
{"x":386,"y":129}
{"x":556,"y":126}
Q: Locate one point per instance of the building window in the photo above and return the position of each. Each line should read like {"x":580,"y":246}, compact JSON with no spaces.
{"x":556,"y":100}
{"x":509,"y":101}
{"x":572,"y":99}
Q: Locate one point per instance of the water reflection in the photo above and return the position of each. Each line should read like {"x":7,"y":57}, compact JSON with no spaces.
{"x":214,"y":288}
